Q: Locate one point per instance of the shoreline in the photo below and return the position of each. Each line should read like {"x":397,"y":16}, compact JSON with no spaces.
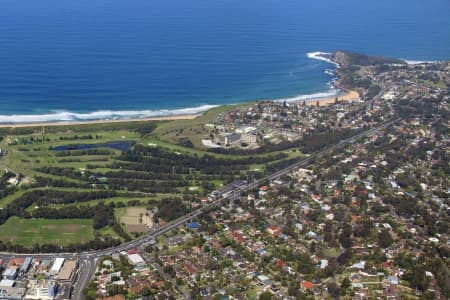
{"x":347,"y":96}
{"x":343,"y":94}
{"x":105,"y":121}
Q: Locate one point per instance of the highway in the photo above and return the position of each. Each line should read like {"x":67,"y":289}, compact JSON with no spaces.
{"x":85,"y":273}
{"x":89,"y":259}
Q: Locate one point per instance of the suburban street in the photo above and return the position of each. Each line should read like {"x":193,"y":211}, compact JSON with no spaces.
{"x":88,"y":260}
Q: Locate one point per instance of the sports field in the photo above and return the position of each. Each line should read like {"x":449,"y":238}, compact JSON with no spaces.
{"x":27,"y":232}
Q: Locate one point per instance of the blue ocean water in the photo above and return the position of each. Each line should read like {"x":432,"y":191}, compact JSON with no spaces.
{"x":91,"y":59}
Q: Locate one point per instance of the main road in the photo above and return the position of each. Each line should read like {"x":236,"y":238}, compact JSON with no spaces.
{"x":89,"y":258}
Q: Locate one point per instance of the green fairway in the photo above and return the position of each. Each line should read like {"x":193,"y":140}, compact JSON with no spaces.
{"x":27,"y":232}
{"x":72,"y":182}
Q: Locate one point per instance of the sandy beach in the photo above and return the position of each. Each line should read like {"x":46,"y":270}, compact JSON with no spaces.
{"x":348,"y":96}
{"x":46,"y":124}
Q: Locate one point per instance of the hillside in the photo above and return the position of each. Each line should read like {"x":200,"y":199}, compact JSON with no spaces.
{"x":346,"y":59}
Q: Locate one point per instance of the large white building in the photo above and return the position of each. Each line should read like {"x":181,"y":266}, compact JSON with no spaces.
{"x":56,"y":267}
{"x":135,"y":259}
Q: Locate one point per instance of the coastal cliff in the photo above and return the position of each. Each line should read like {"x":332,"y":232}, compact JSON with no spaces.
{"x":354,"y":66}
{"x":346,"y":59}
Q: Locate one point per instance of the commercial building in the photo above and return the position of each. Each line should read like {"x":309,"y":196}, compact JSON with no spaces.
{"x":26,"y":265}
{"x":12,"y":293}
{"x":249,"y":138}
{"x":56,"y":267}
{"x":52,"y":290}
{"x":42,"y":290}
{"x":246,"y":129}
{"x":10,"y":274}
{"x":232,"y":138}
{"x":6,"y":283}
{"x":68,"y":271}
{"x":135,"y":259}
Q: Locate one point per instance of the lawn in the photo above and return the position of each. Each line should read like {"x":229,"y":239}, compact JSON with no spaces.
{"x":30,"y":153}
{"x":27,"y":232}
{"x":134,"y":218}
{"x":26,"y":152}
{"x":10,"y":198}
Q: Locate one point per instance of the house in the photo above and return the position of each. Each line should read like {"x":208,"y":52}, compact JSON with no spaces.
{"x":323,"y":263}
{"x":393,"y":280}
{"x":261,"y":251}
{"x":190,"y":268}
{"x":116,"y":297}
{"x":312,"y":235}
{"x":306,"y":285}
{"x":264,"y":280}
{"x":238,"y":237}
{"x":264,"y":188}
{"x":274,"y":230}
{"x":357,"y":285}
{"x":204,"y":292}
{"x":281,"y":263}
{"x":360,"y":265}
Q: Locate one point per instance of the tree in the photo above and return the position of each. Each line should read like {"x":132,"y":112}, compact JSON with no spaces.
{"x":334,"y":290}
{"x":345,"y":256}
{"x":91,"y":291}
{"x":384,"y":239}
{"x":345,"y":284}
{"x":416,"y":276}
{"x":169,"y":270}
{"x":345,"y":238}
{"x":266,"y":296}
{"x":293,"y":290}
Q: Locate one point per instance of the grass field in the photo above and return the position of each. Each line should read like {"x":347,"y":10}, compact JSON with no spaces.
{"x":27,"y":232}
{"x":28,"y":152}
{"x":133,"y":217}
{"x":8,"y":199}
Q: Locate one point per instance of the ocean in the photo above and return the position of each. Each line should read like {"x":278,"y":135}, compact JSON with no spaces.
{"x":63,"y":60}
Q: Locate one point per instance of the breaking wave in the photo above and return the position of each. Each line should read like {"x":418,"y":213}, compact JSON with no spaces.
{"x":324,"y":56}
{"x":310,"y":97}
{"x":67,"y":116}
{"x":418,"y":62}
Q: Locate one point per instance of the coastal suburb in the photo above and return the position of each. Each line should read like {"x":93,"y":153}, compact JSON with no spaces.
{"x":345,"y":197}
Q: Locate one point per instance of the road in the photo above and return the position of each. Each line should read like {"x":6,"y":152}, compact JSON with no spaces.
{"x":89,"y":259}
{"x":86,"y":271}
